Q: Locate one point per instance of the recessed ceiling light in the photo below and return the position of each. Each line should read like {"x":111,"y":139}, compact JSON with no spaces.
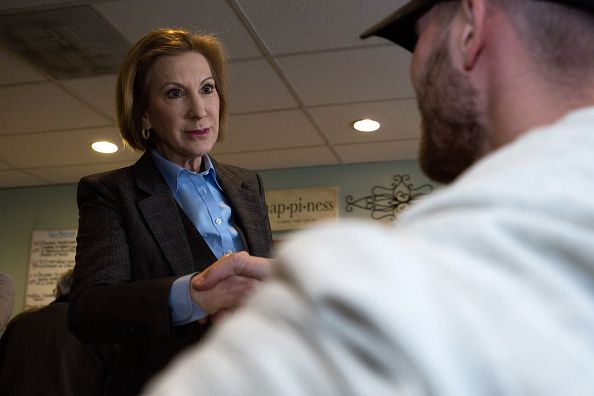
{"x":366,"y":125}
{"x":104,"y":147}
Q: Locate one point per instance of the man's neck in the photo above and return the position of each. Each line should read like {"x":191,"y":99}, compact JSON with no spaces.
{"x":522,"y":110}
{"x":520,"y":97}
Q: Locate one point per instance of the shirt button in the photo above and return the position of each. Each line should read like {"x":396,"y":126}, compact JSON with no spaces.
{"x":218,"y":221}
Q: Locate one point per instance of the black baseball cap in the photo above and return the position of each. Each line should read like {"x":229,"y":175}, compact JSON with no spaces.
{"x":399,"y":27}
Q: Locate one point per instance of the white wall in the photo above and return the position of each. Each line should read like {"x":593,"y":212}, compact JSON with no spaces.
{"x":23,"y":210}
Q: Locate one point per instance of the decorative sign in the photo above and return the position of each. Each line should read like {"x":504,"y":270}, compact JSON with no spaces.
{"x":389,"y":202}
{"x":292,"y":209}
{"x":52,"y":254}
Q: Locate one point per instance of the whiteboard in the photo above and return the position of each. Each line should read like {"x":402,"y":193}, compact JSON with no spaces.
{"x":52,"y":254}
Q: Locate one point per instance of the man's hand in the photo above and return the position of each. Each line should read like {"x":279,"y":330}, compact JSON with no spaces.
{"x":227,"y":282}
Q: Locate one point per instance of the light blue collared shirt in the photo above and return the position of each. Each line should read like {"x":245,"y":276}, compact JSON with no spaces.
{"x":202,"y":199}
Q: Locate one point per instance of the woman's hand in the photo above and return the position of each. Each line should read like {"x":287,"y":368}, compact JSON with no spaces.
{"x":226,"y":283}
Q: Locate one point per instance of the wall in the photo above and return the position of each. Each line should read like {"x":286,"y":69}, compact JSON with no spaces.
{"x":356,"y":180}
{"x":23,"y":210}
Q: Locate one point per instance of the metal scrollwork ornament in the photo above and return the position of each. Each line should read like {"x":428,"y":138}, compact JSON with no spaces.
{"x":389,"y":201}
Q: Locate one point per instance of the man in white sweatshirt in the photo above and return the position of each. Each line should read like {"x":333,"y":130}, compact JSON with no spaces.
{"x":486,"y":288}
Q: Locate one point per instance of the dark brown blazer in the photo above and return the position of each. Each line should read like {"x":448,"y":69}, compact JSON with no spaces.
{"x":133,"y":242}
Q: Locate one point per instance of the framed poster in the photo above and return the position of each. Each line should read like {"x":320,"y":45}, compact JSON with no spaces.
{"x":52,"y":254}
{"x":299,"y":208}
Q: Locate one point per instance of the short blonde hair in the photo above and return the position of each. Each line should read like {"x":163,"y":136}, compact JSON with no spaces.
{"x":131,"y":99}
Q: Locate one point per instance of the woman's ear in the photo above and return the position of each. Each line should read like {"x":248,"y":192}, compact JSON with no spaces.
{"x":146,"y":122}
{"x":472,"y":37}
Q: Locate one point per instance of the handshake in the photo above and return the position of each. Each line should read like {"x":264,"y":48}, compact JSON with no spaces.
{"x":224,"y":285}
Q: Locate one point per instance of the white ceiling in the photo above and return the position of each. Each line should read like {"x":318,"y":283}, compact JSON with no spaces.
{"x":299,"y":77}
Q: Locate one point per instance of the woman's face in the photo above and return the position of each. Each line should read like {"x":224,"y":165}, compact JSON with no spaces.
{"x":182,"y":108}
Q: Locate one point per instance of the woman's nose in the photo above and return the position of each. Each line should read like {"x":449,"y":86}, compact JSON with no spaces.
{"x":197,"y":107}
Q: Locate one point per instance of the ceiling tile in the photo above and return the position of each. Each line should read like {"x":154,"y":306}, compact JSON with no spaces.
{"x":349,"y":76}
{"x":64,"y":42}
{"x":288,"y":26}
{"x":255,"y":86}
{"x":18,"y":4}
{"x":399,"y":119}
{"x":379,"y":151}
{"x":98,"y":92}
{"x":262,"y":131}
{"x":72,"y":174}
{"x":43,"y":107}
{"x":289,"y":158}
{"x":13,"y":178}
{"x":138,"y":17}
{"x":61,"y":148}
{"x":47,"y":126}
{"x":15,"y":70}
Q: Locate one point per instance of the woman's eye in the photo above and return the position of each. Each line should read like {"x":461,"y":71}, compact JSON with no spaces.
{"x":208,"y":89}
{"x":174,"y":93}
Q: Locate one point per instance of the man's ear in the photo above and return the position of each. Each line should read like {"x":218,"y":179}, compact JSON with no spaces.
{"x":473,"y":30}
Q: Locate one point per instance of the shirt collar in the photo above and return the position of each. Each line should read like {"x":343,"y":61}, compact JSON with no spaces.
{"x":171,"y":171}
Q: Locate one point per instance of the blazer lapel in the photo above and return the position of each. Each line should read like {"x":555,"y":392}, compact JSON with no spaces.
{"x":244,"y":202}
{"x":159,"y":209}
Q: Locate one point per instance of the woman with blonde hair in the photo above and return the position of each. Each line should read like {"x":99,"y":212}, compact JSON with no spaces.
{"x":147,"y":230}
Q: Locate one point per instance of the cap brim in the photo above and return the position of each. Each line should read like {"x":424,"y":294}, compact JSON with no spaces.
{"x":400,"y":26}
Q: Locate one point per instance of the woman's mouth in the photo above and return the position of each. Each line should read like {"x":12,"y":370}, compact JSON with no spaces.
{"x":198,"y":132}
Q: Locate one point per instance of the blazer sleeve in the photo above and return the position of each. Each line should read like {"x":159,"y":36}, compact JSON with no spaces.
{"x":116,"y":298}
